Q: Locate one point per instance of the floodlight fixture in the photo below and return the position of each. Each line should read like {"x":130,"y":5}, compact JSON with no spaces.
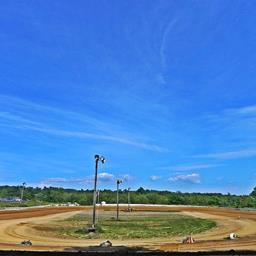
{"x":100,"y":158}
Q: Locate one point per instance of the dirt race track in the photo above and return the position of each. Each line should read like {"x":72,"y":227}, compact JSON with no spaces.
{"x":18,"y":225}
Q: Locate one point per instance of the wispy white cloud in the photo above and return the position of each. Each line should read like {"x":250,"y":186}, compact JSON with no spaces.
{"x":190,"y":178}
{"x":163,"y":45}
{"x":230,"y":154}
{"x":127,"y":177}
{"x":155,"y":177}
{"x":246,"y":110}
{"x":103,"y":130}
{"x":25,"y":106}
{"x":86,"y":135}
{"x":16,"y":118}
{"x":189,"y":167}
{"x":38,"y":162}
{"x":102,"y":177}
{"x":106,"y":177}
{"x":233,"y":119}
{"x":58,"y":180}
{"x":232,"y":128}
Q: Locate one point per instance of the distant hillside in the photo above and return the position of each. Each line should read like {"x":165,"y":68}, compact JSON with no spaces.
{"x":34,"y":196}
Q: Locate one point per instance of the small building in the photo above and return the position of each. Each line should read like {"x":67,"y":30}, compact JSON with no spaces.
{"x":10,"y":199}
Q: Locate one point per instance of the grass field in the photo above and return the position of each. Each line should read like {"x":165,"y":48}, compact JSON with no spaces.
{"x":135,"y":225}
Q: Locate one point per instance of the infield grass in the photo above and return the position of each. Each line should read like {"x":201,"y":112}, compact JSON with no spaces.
{"x":135,"y":226}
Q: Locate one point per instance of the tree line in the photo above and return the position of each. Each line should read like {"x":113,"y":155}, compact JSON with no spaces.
{"x":57,"y":195}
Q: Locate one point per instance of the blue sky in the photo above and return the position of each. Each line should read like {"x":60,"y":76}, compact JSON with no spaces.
{"x":165,"y":90}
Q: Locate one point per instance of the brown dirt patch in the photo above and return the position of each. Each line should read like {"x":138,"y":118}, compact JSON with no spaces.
{"x":16,"y":226}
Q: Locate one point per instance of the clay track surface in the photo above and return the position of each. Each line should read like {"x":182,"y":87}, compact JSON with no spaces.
{"x":19,"y":225}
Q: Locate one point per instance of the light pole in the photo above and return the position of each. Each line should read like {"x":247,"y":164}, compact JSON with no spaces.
{"x":98,"y":200}
{"x":117,"y":198}
{"x":22,"y":191}
{"x":129,"y":199}
{"x":98,"y":196}
{"x":97,"y":159}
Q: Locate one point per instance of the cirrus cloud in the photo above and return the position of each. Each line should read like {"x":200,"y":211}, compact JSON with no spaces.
{"x":193,"y":178}
{"x":102,"y":177}
{"x":155,"y":178}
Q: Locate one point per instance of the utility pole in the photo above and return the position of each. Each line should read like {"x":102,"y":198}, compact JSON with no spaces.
{"x":97,"y":159}
{"x":117,"y":198}
{"x":22,"y":191}
{"x":129,"y":200}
